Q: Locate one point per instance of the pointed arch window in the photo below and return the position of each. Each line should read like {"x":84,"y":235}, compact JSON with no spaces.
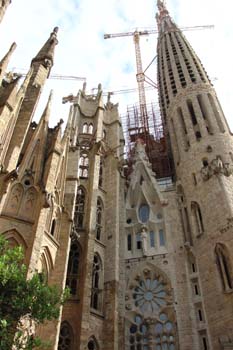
{"x":85,"y":128}
{"x":53,"y":227}
{"x":83,"y":166}
{"x":101,"y":173}
{"x":222,"y":259}
{"x":73,"y":268}
{"x":15,"y":199}
{"x":79,"y":211}
{"x":198,"y":220}
{"x":152,"y":239}
{"x":66,"y":337}
{"x":144,"y":213}
{"x":90,"y":128}
{"x":97,"y":280}
{"x":99,"y":219}
{"x":161,"y":238}
{"x":92,"y":344}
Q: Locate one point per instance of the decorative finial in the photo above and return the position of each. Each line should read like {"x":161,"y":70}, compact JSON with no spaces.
{"x":13,"y":47}
{"x":47,"y":110}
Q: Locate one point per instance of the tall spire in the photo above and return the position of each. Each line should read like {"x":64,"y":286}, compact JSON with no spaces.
{"x":163,"y":17}
{"x":3,"y":7}
{"x":162,"y":8}
{"x":47,"y":110}
{"x":46,"y":54}
{"x":5,"y":61}
{"x":41,"y":67}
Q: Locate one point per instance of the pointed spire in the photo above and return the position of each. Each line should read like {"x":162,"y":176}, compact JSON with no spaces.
{"x":3,"y":7}
{"x":47,"y":110}
{"x":46,"y":53}
{"x":5,"y":61}
{"x":162,"y":7}
{"x":163,"y":17}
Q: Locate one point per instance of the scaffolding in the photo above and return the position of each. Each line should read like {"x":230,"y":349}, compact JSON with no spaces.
{"x":145,"y":124}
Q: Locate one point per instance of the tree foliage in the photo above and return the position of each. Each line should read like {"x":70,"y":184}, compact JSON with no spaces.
{"x":21,"y":297}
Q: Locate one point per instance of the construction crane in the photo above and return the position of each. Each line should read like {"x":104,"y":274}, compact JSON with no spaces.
{"x":140,"y":75}
{"x":61,"y":77}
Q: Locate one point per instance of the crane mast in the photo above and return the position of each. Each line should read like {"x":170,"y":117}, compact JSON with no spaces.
{"x":140,"y":76}
{"x":140,"y":80}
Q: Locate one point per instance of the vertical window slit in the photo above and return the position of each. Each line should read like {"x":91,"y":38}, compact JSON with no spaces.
{"x":183,"y":128}
{"x":216,"y":113}
{"x":205,"y":114}
{"x":194,"y":119}
{"x":176,"y":142}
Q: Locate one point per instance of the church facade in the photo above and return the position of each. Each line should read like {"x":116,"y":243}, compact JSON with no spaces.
{"x":148,"y":259}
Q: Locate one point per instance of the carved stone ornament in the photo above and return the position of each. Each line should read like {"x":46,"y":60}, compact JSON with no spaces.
{"x":216,"y":167}
{"x":74,"y":235}
{"x":48,"y":199}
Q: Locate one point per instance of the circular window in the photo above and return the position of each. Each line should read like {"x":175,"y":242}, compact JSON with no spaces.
{"x":144,"y":213}
{"x":150,"y":295}
{"x":27,"y":182}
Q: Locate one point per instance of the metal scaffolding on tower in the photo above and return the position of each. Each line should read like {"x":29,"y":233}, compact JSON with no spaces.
{"x":144,"y":121}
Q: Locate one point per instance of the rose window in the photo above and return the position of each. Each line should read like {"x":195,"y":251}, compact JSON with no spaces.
{"x":150,"y":295}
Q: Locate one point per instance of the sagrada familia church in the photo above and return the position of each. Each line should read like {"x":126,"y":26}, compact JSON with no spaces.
{"x":144,"y":241}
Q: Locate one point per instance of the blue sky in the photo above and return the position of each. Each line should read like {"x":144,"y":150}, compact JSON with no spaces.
{"x":82,"y":51}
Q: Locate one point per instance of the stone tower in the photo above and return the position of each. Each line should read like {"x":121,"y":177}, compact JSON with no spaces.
{"x":40,"y":69}
{"x":202,"y":148}
{"x":3,"y":7}
{"x":90,"y":318}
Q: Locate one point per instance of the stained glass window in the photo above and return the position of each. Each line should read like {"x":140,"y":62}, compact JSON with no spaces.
{"x":66,"y":337}
{"x":152,"y":239}
{"x":73,"y":268}
{"x":144,"y":213}
{"x":161,"y":238}
{"x":96,"y":283}
{"x":150,"y":295}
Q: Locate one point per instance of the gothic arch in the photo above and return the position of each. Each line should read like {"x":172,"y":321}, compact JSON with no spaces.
{"x":14,"y":199}
{"x":74,"y":268}
{"x":85,"y":128}
{"x":45,"y":263}
{"x":27,"y":209}
{"x":97,"y":283}
{"x":66,"y":337}
{"x":80,"y":206}
{"x":84,"y":165}
{"x":224,"y":266}
{"x":92,"y":343}
{"x":15,"y":239}
{"x":197,"y":218}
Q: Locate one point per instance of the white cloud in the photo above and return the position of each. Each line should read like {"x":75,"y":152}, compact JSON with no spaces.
{"x":82,"y":51}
